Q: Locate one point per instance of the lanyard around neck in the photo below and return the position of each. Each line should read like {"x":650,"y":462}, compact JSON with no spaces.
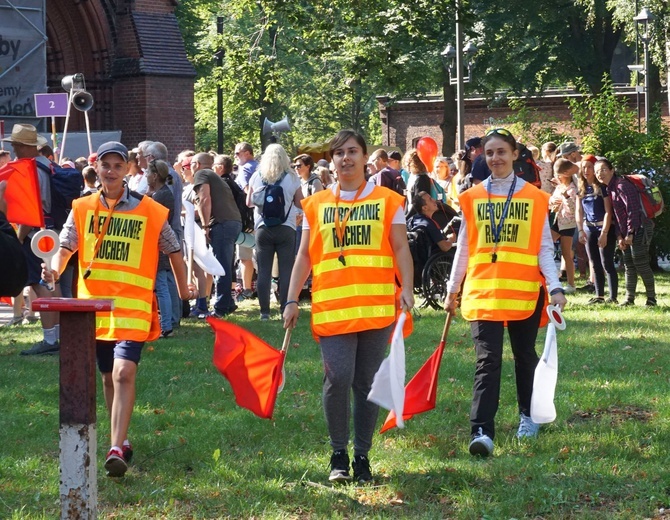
{"x":99,"y":234}
{"x":339,"y":229}
{"x":497,"y":230}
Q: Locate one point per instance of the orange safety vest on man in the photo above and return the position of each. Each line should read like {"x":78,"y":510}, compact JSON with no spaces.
{"x":124,"y":269}
{"x":507,"y":289}
{"x":360,"y":294}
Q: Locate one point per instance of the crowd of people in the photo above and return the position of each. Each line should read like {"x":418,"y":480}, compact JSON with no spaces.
{"x":339,"y":228}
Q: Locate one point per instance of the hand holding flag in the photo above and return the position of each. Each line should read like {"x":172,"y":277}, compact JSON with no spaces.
{"x":388,"y":386}
{"x":253,"y":368}
{"x":421,"y":391}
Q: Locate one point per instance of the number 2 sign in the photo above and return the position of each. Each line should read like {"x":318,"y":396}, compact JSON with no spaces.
{"x":51,"y":105}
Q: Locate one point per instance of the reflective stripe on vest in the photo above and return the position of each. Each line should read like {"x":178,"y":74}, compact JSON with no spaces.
{"x":360,"y":295}
{"x":124,"y":269}
{"x":507,"y":289}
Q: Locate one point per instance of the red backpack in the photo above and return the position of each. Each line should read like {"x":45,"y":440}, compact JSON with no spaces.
{"x":651,"y":198}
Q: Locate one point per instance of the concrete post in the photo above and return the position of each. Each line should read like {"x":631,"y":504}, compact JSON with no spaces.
{"x":78,"y":442}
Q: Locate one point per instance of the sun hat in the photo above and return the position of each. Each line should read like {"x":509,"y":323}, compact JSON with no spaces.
{"x":25,"y":134}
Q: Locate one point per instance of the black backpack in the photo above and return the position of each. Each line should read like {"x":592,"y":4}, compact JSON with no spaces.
{"x":66,"y":185}
{"x":526,"y":168}
{"x":272,"y":203}
{"x":246,"y":213}
{"x":397,"y":183}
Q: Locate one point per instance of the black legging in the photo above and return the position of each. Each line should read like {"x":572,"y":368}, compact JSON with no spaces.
{"x":602,"y":260}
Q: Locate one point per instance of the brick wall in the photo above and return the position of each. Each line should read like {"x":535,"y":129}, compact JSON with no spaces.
{"x":407,"y":120}
{"x":103,"y":41}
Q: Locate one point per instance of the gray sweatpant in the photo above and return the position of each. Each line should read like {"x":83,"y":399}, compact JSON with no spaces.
{"x":350,"y":362}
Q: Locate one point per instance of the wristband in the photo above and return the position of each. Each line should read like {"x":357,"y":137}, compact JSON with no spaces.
{"x":291,"y":301}
{"x":556,"y":291}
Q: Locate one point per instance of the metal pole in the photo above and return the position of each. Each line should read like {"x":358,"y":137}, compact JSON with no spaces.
{"x":645,"y":41}
{"x":219,"y":92}
{"x":459,"y":79}
{"x":637,"y":62}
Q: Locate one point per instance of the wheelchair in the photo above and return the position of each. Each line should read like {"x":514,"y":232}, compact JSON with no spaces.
{"x":431,"y":271}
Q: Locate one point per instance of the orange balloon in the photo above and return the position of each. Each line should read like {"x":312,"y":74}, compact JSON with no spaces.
{"x":426,"y":149}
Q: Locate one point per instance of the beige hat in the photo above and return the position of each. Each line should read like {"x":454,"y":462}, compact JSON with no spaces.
{"x":25,"y":134}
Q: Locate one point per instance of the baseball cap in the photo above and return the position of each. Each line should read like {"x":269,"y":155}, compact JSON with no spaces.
{"x":395,"y":155}
{"x":322,"y":162}
{"x":112,"y":147}
{"x":566,"y":148}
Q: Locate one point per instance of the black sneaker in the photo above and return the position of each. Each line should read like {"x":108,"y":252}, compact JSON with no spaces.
{"x":361,"y":466}
{"x":339,"y":467}
{"x":626,"y":303}
{"x":587,"y":288}
{"x":42,"y":348}
{"x":595,"y":301}
{"x":651,"y":302}
{"x":166,"y":333}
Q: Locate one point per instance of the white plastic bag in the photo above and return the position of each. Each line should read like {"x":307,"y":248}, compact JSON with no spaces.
{"x":542,"y":409}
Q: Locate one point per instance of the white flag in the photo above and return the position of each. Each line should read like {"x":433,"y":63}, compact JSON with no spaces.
{"x":542,"y":409}
{"x":388,"y":386}
{"x":195,"y":239}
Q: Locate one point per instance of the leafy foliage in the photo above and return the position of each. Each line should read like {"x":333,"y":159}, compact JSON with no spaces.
{"x":609,"y":128}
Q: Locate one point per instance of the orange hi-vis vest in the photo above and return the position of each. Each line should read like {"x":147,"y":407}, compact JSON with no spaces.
{"x":507,"y":289}
{"x":360,"y":295}
{"x":124,"y":269}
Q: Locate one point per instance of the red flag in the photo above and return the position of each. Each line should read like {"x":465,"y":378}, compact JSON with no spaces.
{"x":253,"y":368}
{"x":421,"y":391}
{"x":24,"y":203}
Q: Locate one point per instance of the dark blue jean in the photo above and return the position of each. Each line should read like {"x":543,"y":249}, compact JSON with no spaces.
{"x":222,"y":236}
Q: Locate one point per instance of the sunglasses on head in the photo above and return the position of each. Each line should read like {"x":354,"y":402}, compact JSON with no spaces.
{"x":499,"y":131}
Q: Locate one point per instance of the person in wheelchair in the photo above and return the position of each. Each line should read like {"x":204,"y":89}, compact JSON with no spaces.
{"x":425,"y":207}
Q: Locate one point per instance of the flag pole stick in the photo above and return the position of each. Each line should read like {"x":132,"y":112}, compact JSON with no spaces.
{"x":287,"y":339}
{"x":445,"y":331}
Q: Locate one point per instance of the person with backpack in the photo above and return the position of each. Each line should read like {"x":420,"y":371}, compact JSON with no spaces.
{"x":385,"y":175}
{"x":274,"y":192}
{"x":25,"y":141}
{"x":633,"y":229}
{"x":221,"y":222}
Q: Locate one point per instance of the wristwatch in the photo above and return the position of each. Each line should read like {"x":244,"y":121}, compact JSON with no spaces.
{"x":556,"y":291}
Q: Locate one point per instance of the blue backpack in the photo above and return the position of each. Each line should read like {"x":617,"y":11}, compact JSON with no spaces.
{"x":66,"y":185}
{"x":274,"y":202}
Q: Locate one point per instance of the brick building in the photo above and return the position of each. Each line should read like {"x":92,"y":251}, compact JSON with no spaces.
{"x":404,"y":121}
{"x":132,"y":55}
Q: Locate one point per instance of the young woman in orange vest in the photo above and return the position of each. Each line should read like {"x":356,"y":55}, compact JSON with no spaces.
{"x":354,"y":240}
{"x":505,"y":248}
{"x":118,"y":234}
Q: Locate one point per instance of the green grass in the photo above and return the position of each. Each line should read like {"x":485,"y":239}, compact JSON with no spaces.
{"x":199,"y":456}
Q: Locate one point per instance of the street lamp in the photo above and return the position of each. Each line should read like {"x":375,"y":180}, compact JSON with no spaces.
{"x":643,"y":18}
{"x":452,"y":57}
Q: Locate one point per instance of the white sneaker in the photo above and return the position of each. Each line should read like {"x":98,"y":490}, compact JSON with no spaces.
{"x":527,"y":428}
{"x":481,"y":444}
{"x":569,"y":289}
